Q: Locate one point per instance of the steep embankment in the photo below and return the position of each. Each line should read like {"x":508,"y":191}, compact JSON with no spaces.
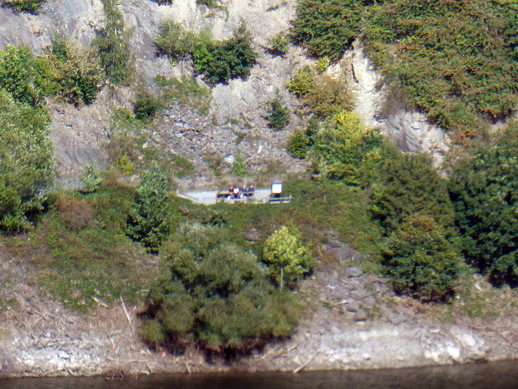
{"x":353,"y":320}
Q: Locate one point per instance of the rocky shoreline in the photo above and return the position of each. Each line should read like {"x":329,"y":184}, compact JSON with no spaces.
{"x":353,"y":321}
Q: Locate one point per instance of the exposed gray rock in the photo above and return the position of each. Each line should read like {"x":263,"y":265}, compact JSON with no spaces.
{"x":354,"y":271}
{"x":408,"y":129}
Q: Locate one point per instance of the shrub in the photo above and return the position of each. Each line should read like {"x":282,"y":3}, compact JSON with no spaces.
{"x":278,"y":114}
{"x":278,"y":44}
{"x":344,"y":149}
{"x":420,"y":261}
{"x":287,"y":256}
{"x":27,"y":169}
{"x":238,"y":167}
{"x":327,"y":27}
{"x":146,"y":106}
{"x":298,"y":145}
{"x":76,"y":213}
{"x":91,"y":178}
{"x":322,"y":94}
{"x":215,"y":294}
{"x":328,"y":96}
{"x":186,"y":91}
{"x":25,"y":77}
{"x":78,"y":71}
{"x":149,"y":221}
{"x":410,"y":186}
{"x":30,"y":6}
{"x":222,"y":61}
{"x":174,"y":41}
{"x":112,"y":43}
{"x":484,"y":193}
{"x":302,"y":81}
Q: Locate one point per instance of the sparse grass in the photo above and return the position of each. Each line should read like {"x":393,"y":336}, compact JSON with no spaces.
{"x":185,"y":91}
{"x":476,"y":299}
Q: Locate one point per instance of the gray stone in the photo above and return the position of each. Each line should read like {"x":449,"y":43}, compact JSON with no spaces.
{"x":353,"y":307}
{"x":354,"y":271}
{"x":360,"y":315}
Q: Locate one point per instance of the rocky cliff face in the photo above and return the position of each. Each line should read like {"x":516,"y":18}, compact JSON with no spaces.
{"x":81,"y":133}
{"x":381,"y":109}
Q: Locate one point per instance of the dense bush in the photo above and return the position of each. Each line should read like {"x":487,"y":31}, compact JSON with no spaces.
{"x":411,"y":186}
{"x":484,"y":193}
{"x":150,"y":218}
{"x":25,"y":77}
{"x":278,"y":114}
{"x":26,"y":168}
{"x":327,"y":27}
{"x":222,"y":61}
{"x":214,"y":293}
{"x":112,"y":43}
{"x":78,"y":71}
{"x":420,"y":261}
{"x":343,"y":148}
{"x":287,"y":257}
{"x":218,"y":61}
{"x":31,"y":6}
{"x":298,"y":145}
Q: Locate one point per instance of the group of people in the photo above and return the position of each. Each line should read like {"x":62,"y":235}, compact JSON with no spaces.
{"x":237,"y":192}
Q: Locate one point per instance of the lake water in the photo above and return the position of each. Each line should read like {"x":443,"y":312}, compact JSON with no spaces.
{"x":496,"y":375}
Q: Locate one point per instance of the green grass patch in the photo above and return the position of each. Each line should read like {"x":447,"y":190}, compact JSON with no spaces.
{"x":94,"y":263}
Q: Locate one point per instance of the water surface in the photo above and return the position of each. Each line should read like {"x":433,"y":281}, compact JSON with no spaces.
{"x":496,"y":375}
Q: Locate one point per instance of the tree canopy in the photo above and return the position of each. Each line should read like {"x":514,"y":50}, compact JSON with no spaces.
{"x":26,"y":163}
{"x":484,"y":193}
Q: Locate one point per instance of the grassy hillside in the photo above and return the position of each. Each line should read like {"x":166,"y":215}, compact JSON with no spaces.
{"x":454,"y":60}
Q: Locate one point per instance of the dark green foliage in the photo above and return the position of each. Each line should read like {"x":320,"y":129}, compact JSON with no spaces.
{"x":278,"y":114}
{"x":78,"y":71}
{"x":298,"y":145}
{"x":25,"y":77}
{"x":112,"y":43}
{"x":163,"y":2}
{"x":327,"y":27}
{"x":420,"y":261}
{"x":218,"y":61}
{"x":484,"y":193}
{"x":26,"y":161}
{"x":150,"y":218}
{"x":146,"y":106}
{"x":30,"y":6}
{"x":411,"y":186}
{"x":222,"y":61}
{"x":214,"y":293}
